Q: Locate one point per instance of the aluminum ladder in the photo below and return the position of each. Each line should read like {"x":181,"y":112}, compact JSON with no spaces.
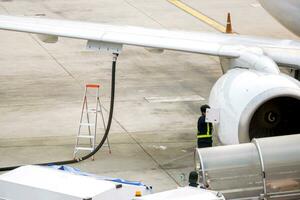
{"x":86,"y":123}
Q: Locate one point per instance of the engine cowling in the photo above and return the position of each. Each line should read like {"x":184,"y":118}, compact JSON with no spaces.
{"x":255,"y":104}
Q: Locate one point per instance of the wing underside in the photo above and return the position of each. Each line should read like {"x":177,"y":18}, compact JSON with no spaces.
{"x":284,"y":52}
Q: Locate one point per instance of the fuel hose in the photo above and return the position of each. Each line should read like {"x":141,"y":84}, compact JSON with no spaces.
{"x":98,"y":147}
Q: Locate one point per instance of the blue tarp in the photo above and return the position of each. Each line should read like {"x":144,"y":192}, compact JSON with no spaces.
{"x":78,"y":172}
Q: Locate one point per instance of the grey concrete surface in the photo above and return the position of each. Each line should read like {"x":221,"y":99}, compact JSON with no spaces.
{"x":41,"y":87}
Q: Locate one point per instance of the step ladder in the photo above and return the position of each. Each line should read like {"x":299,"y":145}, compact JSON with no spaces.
{"x":89,"y":122}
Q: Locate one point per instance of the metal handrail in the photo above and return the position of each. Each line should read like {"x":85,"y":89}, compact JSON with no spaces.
{"x":202,"y":167}
{"x":255,"y":141}
{"x":275,"y":195}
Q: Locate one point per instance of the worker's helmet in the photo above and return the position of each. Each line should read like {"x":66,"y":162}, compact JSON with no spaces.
{"x":193,"y":179}
{"x":204,"y":107}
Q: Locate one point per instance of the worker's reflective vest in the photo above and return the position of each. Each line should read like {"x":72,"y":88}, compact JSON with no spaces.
{"x":205,"y":135}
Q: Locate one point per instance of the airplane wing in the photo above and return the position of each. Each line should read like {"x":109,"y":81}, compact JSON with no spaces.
{"x":284,"y":52}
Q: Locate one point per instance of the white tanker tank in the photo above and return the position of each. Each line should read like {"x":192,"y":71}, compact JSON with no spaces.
{"x":266,"y":168}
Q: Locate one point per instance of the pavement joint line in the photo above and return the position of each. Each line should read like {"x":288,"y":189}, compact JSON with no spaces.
{"x":147,"y":153}
{"x":49,"y":54}
{"x":144,"y":13}
{"x":56,"y":61}
{"x":4,"y":8}
{"x":21,"y":146}
{"x":154,"y":160}
{"x":197,"y":14}
{"x":143,"y":149}
{"x":178,"y":158}
{"x":69,"y":144}
{"x":38,"y":104}
{"x":129,"y":170}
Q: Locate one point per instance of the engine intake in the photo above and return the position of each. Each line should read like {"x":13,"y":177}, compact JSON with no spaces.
{"x":276,"y":117}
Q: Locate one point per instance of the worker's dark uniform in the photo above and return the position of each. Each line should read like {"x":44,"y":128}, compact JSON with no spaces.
{"x":204,"y":135}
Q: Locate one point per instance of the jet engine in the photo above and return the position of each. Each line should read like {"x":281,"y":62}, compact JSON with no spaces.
{"x":255,"y":104}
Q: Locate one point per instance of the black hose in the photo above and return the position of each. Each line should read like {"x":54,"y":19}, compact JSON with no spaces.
{"x":111,"y":110}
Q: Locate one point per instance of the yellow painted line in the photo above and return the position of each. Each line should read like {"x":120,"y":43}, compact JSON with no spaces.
{"x":209,"y":21}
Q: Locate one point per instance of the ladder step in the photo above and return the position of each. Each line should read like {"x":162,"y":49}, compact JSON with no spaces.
{"x":84,"y":148}
{"x":87,"y":124}
{"x":93,"y":110}
{"x":86,"y":136}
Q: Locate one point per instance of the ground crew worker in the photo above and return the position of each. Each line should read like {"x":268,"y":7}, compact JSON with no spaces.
{"x":204,"y":135}
{"x":193,"y":179}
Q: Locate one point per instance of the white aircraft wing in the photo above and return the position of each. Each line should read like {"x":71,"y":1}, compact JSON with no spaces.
{"x":216,"y":44}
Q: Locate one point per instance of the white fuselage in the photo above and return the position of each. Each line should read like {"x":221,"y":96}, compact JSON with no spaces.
{"x":287,"y":12}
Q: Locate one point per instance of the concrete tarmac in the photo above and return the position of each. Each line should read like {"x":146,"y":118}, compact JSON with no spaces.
{"x":42,"y":85}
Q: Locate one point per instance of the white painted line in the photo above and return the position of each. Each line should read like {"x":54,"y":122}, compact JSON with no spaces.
{"x":174,"y":99}
{"x":159,"y":147}
{"x":256,"y":5}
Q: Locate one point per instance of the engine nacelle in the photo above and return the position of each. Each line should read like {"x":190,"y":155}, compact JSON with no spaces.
{"x":255,"y":104}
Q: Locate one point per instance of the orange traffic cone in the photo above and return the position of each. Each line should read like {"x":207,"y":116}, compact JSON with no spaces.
{"x":228,"y":24}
